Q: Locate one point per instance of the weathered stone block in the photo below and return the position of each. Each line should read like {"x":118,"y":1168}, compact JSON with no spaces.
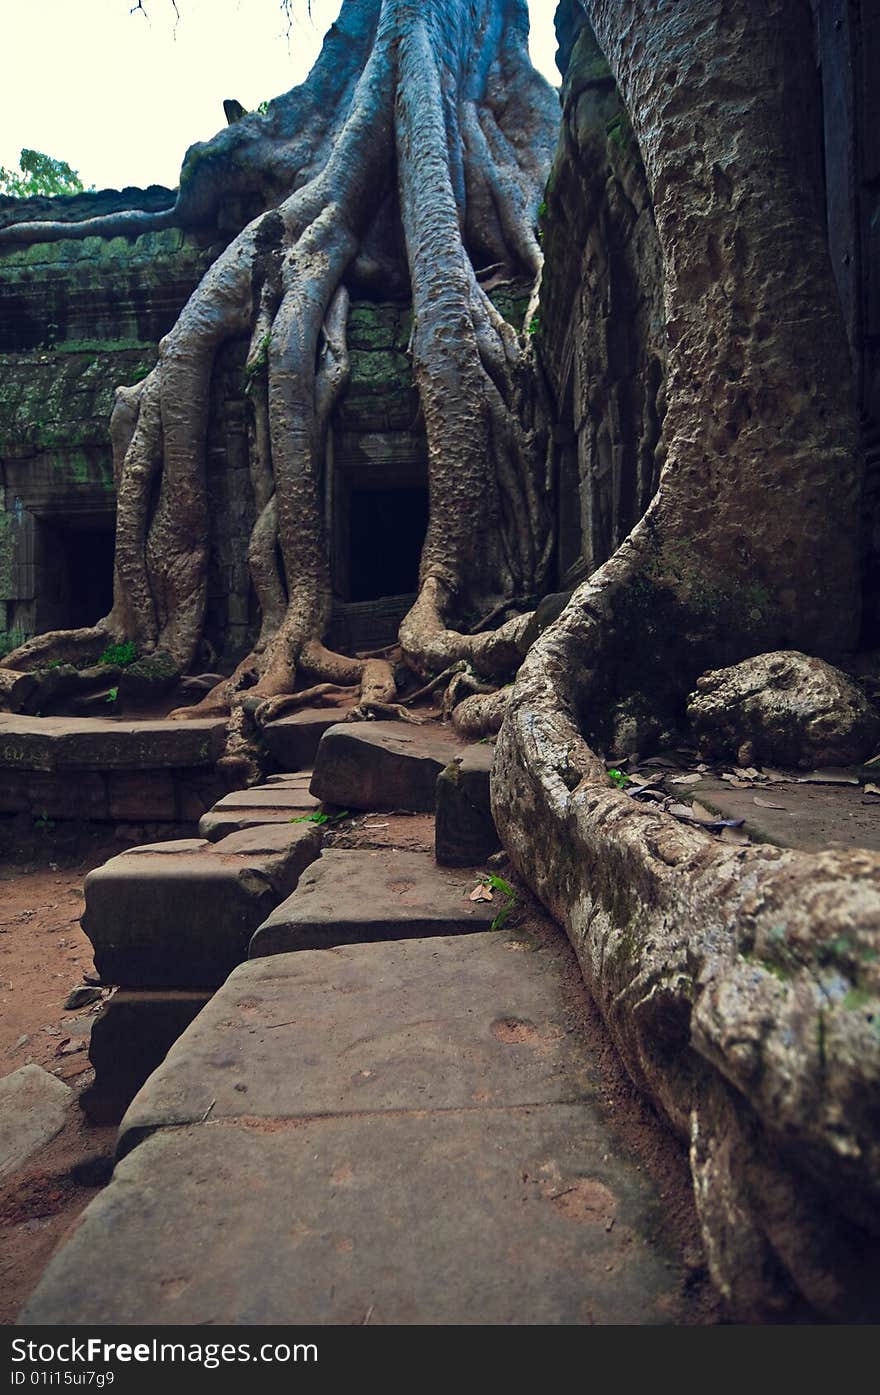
{"x":359,"y":896}
{"x":180,"y":914}
{"x":130,"y":1038}
{"x":67,"y":795}
{"x":278,"y":803}
{"x":33,"y":1105}
{"x":293,"y":741}
{"x":78,"y":743}
{"x":141,"y":794}
{"x":382,"y":765}
{"x":465,"y":833}
{"x":437,"y":1023}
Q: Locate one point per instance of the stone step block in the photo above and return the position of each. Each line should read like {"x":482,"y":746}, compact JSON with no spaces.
{"x":465,"y":831}
{"x":438,"y":1023}
{"x":293,"y":741}
{"x":458,"y":1217}
{"x":180,"y":914}
{"x":360,"y":896}
{"x":262,"y":804}
{"x":90,"y":743}
{"x":33,"y":1107}
{"x":383,"y":765}
{"x":130,"y":1037}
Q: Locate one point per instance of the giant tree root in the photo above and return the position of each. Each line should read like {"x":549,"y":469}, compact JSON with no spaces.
{"x":741,"y":986}
{"x":416,"y":152}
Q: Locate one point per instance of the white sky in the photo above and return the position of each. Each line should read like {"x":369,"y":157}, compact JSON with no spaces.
{"x":120,"y":97}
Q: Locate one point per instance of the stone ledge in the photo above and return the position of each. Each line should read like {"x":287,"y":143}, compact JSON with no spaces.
{"x":90,"y":743}
{"x":383,"y":765}
{"x":180,"y":914}
{"x":360,"y":896}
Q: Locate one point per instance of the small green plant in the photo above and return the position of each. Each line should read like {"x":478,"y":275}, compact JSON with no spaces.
{"x":321,"y":819}
{"x":497,"y":883}
{"x":619,"y":778}
{"x":112,"y":695}
{"x":44,"y":823}
{"x":119,"y":655}
{"x":535,"y":325}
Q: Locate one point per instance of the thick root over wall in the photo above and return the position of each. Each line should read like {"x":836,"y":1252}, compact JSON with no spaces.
{"x":741,"y":985}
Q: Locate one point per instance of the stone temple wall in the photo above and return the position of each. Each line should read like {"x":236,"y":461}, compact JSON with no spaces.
{"x":601,"y":329}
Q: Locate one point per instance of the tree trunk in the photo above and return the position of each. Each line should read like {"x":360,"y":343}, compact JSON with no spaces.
{"x":716,"y":968}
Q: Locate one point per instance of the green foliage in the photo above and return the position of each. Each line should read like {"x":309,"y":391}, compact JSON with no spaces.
{"x":535,"y":324}
{"x":618,"y":778}
{"x":9,"y":640}
{"x":497,"y":883}
{"x":40,"y":174}
{"x":112,"y":695}
{"x":263,"y":108}
{"x":119,"y":655}
{"x":43,"y":823}
{"x":322,"y":819}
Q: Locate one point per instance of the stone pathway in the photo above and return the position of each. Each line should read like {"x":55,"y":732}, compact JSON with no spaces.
{"x":386,"y":1114}
{"x":393,"y":1133}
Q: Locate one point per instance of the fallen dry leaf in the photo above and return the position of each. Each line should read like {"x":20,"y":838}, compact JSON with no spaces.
{"x":768,"y":804}
{"x":872,"y":789}
{"x":685,"y":779}
{"x":701,"y":812}
{"x":481,"y":893}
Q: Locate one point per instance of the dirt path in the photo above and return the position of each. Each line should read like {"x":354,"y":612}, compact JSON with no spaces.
{"x":43,"y":955}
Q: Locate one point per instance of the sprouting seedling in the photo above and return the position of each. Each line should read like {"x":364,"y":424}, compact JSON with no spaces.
{"x":321,"y":818}
{"x":618,"y":778}
{"x":112,"y":695}
{"x":499,"y":884}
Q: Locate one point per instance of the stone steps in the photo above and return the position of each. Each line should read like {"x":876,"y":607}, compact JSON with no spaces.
{"x":100,"y":769}
{"x":181,"y":914}
{"x":382,"y":765}
{"x":391,"y":1133}
{"x":169,"y":921}
{"x":360,"y":896}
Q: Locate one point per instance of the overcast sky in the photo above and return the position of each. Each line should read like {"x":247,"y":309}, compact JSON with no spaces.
{"x":120,"y":96}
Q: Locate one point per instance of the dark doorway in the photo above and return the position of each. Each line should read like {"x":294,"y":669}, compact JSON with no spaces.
{"x":387,"y":529}
{"x":75,"y":573}
{"x":90,"y":553}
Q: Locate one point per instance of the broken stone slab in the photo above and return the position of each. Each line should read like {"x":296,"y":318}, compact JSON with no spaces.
{"x":80,"y":743}
{"x":465,"y":832}
{"x":783,"y":708}
{"x":438,"y":1023}
{"x":130,"y":1037}
{"x":293,"y":741}
{"x":357,"y":896}
{"x":382,"y":765}
{"x":33,"y":1106}
{"x":180,"y":914}
{"x":810,"y":817}
{"x":262,"y":804}
{"x":486,"y":1216}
